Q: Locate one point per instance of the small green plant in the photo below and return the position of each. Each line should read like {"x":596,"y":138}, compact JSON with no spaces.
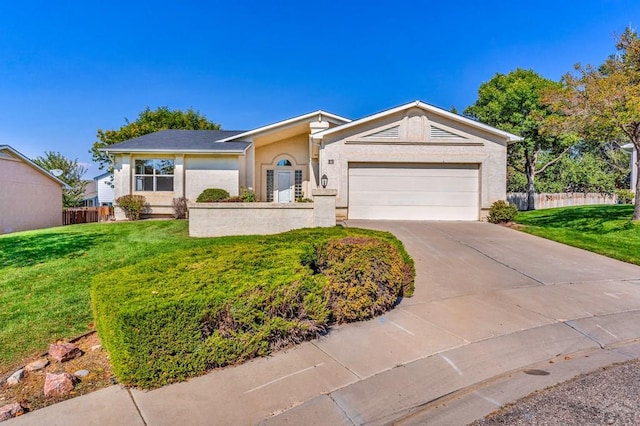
{"x":247,"y":195}
{"x":132,"y":205}
{"x":625,"y":196}
{"x":211,"y":195}
{"x":303,"y":200}
{"x":180,"y":209}
{"x":502,"y":212}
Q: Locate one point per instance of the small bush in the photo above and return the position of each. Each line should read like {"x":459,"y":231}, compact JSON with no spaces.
{"x":211,"y":195}
{"x":248,"y":195}
{"x":180,"y":209}
{"x":502,"y":212}
{"x":132,"y":205}
{"x":625,"y":196}
{"x":303,"y":200}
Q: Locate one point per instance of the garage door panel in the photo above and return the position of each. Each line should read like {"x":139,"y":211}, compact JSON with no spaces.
{"x":394,"y":171}
{"x":413,"y":213}
{"x":414,"y":191}
{"x":373,"y":198}
{"x":398,"y":183}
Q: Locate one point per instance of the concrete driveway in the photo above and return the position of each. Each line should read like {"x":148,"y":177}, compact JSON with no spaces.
{"x":496,"y":314}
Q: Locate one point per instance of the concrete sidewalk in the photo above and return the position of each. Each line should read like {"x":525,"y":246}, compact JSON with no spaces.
{"x":490,"y":303}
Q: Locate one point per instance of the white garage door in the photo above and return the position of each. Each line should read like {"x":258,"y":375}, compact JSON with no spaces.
{"x":413,"y":191}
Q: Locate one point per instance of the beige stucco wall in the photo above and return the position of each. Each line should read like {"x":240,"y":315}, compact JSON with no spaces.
{"x":28,"y":198}
{"x":211,"y":172}
{"x":415,"y":145}
{"x":219,"y":219}
{"x":295,"y":149}
{"x":192,"y":174}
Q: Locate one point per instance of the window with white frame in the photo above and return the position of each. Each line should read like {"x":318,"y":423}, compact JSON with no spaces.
{"x":154,"y":175}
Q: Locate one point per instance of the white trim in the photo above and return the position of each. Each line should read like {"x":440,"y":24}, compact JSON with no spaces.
{"x":320,"y":114}
{"x":100,"y":176}
{"x":430,"y":108}
{"x":32,"y":164}
{"x":175,"y":151}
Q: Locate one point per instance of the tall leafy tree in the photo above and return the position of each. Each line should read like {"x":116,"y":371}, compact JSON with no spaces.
{"x":149,"y":121}
{"x":513,"y":102}
{"x":602,"y":103}
{"x":71,"y":175}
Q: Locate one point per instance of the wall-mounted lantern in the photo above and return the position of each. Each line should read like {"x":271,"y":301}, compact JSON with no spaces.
{"x":324,"y":180}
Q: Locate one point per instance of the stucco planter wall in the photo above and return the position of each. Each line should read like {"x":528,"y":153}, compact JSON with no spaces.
{"x":220,"y":219}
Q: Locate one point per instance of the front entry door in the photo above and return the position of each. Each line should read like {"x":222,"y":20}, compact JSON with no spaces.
{"x":284,"y":186}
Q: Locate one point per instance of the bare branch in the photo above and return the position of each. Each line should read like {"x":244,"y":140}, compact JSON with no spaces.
{"x":555,"y":160}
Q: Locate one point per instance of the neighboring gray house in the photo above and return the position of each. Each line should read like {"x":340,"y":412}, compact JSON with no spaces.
{"x":104,"y":189}
{"x":412,"y":162}
{"x":99,"y":191}
{"x":90,"y":196}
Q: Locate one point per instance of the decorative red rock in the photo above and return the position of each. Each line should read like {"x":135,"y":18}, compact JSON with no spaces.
{"x":58,"y":384}
{"x":64,"y":351}
{"x":9,"y":411}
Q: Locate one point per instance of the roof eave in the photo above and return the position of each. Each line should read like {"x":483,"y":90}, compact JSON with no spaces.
{"x":510,"y":138}
{"x":174,"y":151}
{"x":287,"y":122}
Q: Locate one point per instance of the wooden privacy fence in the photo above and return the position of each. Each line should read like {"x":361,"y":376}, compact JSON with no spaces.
{"x":73,"y":216}
{"x":564,"y":199}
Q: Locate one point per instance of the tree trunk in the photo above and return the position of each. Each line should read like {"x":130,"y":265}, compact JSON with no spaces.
{"x":531,"y":192}
{"x":530,"y":172}
{"x":636,"y":207}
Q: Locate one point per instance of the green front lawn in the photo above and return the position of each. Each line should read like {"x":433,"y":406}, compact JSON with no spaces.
{"x":46,"y":275}
{"x":603,"y":229}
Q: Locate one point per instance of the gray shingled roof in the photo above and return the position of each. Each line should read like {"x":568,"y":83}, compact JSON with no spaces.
{"x":181,"y":141}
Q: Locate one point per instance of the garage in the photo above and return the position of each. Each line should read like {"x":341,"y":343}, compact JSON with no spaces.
{"x":407,"y":191}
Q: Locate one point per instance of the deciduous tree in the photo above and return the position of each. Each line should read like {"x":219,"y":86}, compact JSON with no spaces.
{"x":513,"y":102}
{"x":149,"y":121}
{"x":71,"y":175}
{"x":603,"y":103}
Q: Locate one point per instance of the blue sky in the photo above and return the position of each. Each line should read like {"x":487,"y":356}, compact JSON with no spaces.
{"x":68,"y":68}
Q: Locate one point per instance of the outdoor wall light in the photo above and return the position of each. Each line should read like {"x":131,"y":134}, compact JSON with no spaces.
{"x":324,"y":180}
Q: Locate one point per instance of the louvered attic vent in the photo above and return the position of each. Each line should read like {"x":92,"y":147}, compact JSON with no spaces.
{"x":392,"y":132}
{"x":438,"y":133}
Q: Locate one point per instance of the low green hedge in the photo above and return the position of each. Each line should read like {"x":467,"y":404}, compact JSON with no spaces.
{"x":186,"y":312}
{"x":211,"y":195}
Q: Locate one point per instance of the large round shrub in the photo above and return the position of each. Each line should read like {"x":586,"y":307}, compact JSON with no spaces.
{"x":184,"y":312}
{"x":211,"y":195}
